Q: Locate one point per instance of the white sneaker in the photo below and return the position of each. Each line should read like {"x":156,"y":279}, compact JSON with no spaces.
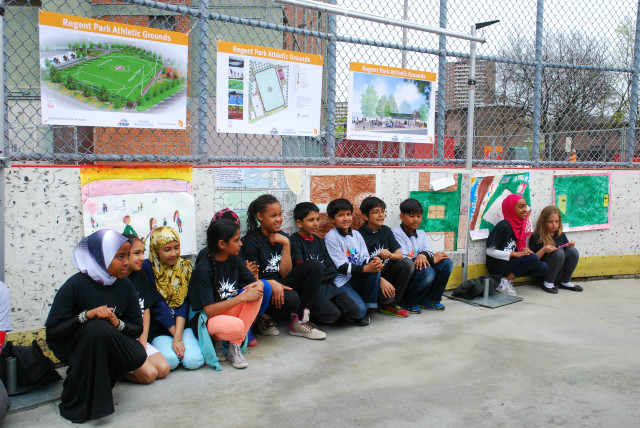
{"x":235,"y":356}
{"x":267,"y":326}
{"x":506,"y":287}
{"x":305,"y":328}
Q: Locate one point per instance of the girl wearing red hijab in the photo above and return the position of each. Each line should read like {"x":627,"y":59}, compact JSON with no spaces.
{"x":507,"y":252}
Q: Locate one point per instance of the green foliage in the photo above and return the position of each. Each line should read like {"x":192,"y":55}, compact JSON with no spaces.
{"x":87,"y":92}
{"x":117,"y":104}
{"x":380,"y":106}
{"x":423,"y":112}
{"x":103,"y":94}
{"x":47,"y":62}
{"x":70,"y":83}
{"x":368,"y":101}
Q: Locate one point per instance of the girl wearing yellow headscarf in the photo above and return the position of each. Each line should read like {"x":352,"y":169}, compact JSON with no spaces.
{"x":171,"y":274}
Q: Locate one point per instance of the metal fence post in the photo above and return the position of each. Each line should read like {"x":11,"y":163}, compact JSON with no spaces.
{"x":203,"y":77}
{"x":633,"y":101}
{"x":331,"y":88}
{"x":442,"y":71}
{"x":3,"y":129}
{"x":537,"y":94}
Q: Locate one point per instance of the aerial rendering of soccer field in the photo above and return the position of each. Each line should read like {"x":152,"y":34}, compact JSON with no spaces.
{"x":122,"y":74}
{"x":268,"y":89}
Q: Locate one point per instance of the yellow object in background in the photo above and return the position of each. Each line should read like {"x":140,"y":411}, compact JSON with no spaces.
{"x":562,"y":203}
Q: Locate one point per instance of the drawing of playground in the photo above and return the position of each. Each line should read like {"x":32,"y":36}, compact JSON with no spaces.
{"x":268,"y":89}
{"x":110,"y":76}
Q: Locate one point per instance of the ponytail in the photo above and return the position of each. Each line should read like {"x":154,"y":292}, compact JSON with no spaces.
{"x":257,"y":206}
{"x":224,"y":230}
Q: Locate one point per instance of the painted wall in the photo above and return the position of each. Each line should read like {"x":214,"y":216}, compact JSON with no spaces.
{"x":43,"y":222}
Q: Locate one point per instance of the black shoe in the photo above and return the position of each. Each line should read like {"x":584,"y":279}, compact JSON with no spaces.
{"x":363,"y":322}
{"x":575,"y":287}
{"x":553,"y":290}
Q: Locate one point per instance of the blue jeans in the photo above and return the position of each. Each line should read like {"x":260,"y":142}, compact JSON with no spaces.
{"x":427,"y":284}
{"x":367,"y":286}
{"x":193,"y":357}
{"x":355,"y":297}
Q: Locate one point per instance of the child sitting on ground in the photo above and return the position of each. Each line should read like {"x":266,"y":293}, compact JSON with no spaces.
{"x":306,"y":247}
{"x":432,"y":270}
{"x":227,"y":292}
{"x":554,"y":248}
{"x":358,"y":275}
{"x":156,"y":366}
{"x":507,"y":252}
{"x":293,"y":289}
{"x":381,"y":243}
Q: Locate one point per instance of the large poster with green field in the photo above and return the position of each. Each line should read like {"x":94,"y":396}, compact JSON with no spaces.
{"x":102,"y":73}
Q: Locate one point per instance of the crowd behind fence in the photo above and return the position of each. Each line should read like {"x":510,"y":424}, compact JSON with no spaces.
{"x":557,"y":85}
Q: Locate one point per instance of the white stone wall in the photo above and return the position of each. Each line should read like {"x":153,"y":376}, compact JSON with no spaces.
{"x":43,"y":222}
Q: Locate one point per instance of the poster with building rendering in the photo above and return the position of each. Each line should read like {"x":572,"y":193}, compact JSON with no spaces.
{"x":264,"y":90}
{"x":138,"y":200}
{"x":390,"y":104}
{"x":102,"y":73}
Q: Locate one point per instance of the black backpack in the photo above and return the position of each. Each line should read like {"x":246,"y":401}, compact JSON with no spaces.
{"x":34,"y":369}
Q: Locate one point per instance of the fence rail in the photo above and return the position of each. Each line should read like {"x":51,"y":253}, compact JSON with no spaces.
{"x":557,"y":85}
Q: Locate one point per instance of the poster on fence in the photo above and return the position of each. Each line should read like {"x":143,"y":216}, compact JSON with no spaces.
{"x":487,"y":194}
{"x":138,"y":200}
{"x":390,"y":104}
{"x":264,"y":90}
{"x":103,"y":73}
{"x":583,"y":200}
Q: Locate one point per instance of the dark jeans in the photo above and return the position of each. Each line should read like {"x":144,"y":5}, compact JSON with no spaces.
{"x":398,"y":273}
{"x":520,"y":266}
{"x":561,"y":265}
{"x":332,"y":303}
{"x":428,"y":284}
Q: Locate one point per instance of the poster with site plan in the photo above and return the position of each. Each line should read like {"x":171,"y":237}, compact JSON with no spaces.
{"x":263,"y":90}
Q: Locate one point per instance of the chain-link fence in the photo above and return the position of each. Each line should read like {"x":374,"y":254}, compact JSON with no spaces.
{"x":557,"y":82}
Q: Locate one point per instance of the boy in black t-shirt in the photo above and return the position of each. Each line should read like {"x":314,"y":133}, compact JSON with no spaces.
{"x":382,"y":244}
{"x":306,"y":247}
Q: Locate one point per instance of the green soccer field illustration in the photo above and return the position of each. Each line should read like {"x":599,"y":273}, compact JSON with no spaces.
{"x":268,"y":89}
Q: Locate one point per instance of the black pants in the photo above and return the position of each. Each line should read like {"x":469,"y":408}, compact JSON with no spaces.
{"x":304,"y":280}
{"x":398,"y":273}
{"x":333,"y":303}
{"x":100,"y":353}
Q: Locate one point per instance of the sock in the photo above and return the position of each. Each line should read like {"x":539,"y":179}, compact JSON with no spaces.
{"x":549,"y":284}
{"x":568,"y":284}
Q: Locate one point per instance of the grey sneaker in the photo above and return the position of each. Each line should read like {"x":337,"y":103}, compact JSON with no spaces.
{"x":506,"y":287}
{"x":235,"y":356}
{"x":305,"y":328}
{"x":217,"y":345}
{"x":267,"y":326}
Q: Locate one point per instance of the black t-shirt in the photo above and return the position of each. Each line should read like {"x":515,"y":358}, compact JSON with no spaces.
{"x":503,"y":239}
{"x":147,"y":293}
{"x":256,"y":247}
{"x":536,"y":246}
{"x":303,"y":249}
{"x":378,"y":240}
{"x":232,"y":276}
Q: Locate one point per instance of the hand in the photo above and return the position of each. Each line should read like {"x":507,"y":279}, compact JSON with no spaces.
{"x":178,"y":348}
{"x":101,"y":312}
{"x":387,"y":289}
{"x":252,"y":292}
{"x":375,"y":265}
{"x":526,"y":251}
{"x":113,"y":319}
{"x":277,"y":296}
{"x":572,"y":244}
{"x":253,"y":268}
{"x":144,"y":344}
{"x":440,"y":255}
{"x":384,"y":254}
{"x":421,"y":261}
{"x":549,"y":249}
{"x":278,"y":238}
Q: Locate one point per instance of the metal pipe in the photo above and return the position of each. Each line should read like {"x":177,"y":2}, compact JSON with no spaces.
{"x":203,"y":78}
{"x":442,"y":77}
{"x":537,"y":91}
{"x":329,"y":8}
{"x":3,"y":145}
{"x":633,"y":102}
{"x":332,"y":70}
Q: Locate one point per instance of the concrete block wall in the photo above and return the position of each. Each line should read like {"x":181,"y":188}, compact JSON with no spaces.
{"x":43,"y":223}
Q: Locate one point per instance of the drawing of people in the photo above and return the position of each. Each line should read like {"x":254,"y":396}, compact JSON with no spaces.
{"x":104,"y":208}
{"x":153,"y":224}
{"x":93,"y":223}
{"x":177,"y":220}
{"x":164,"y":221}
{"x":128,"y":228}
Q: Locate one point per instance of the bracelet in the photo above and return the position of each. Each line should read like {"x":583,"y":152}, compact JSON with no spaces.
{"x":178,"y":340}
{"x":120,"y":326}
{"x":82,"y":317}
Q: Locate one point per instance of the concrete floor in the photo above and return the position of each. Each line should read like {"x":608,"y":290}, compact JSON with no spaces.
{"x":571,"y":359}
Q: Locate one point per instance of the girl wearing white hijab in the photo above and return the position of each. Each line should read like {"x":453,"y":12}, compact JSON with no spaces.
{"x":93,"y":325}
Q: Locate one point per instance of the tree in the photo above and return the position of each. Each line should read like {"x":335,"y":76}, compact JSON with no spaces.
{"x":380,"y":106}
{"x":70,"y":84}
{"x":87,"y":92}
{"x":423,"y":112}
{"x":54,"y":75}
{"x":368,"y":101}
{"x":405,"y":107}
{"x":570,"y":98}
{"x":103,"y":94}
{"x":117,"y":104}
{"x":47,"y":62}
